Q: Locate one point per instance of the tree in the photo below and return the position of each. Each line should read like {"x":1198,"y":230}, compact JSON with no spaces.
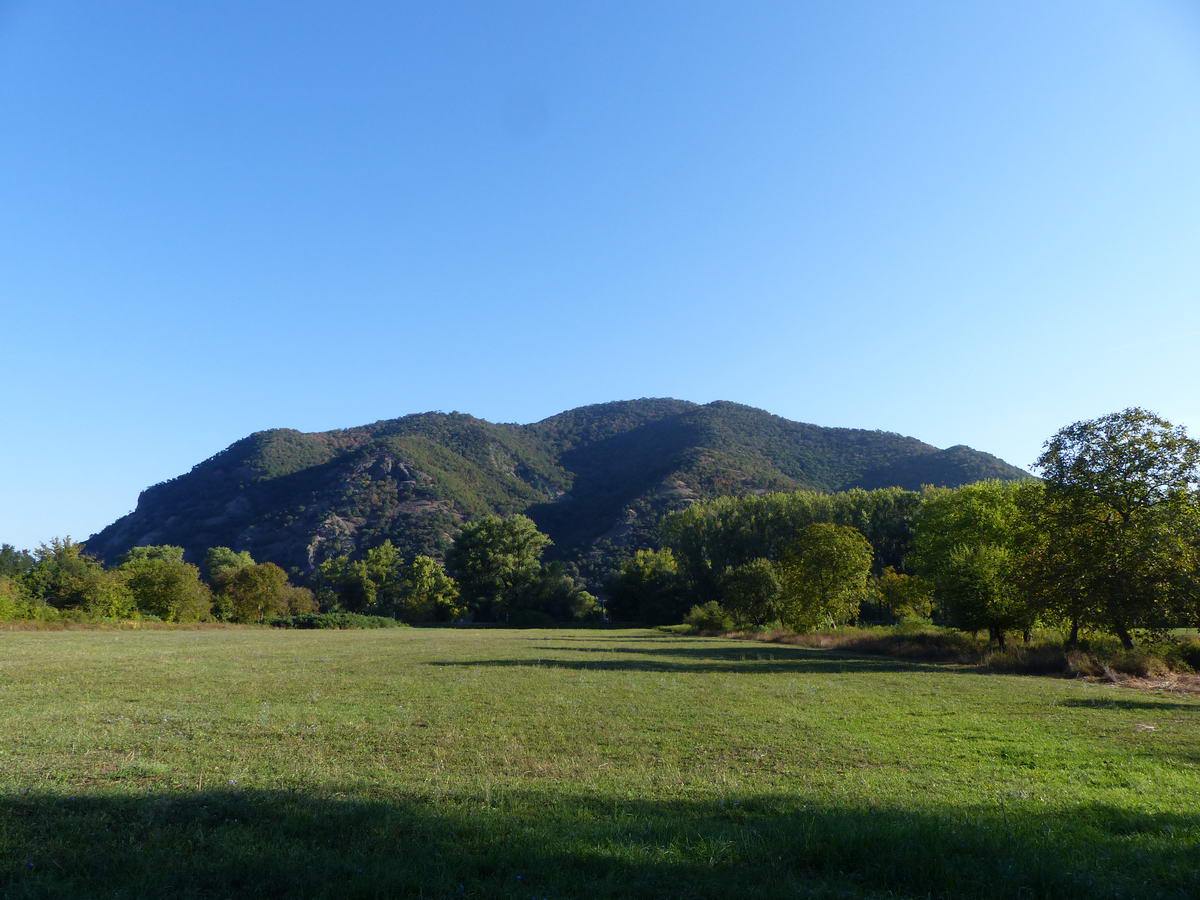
{"x":751,"y":593}
{"x":428,"y":593}
{"x":373,"y":585}
{"x":165,"y":586}
{"x":256,"y":593}
{"x":345,"y":584}
{"x":824,"y":576}
{"x":383,"y":584}
{"x":980,"y":590}
{"x":157,"y":552}
{"x":1049,"y":569}
{"x":1122,"y":506}
{"x":553,"y":595}
{"x":67,"y":578}
{"x":219,"y":560}
{"x":109,"y":597}
{"x":970,"y":544}
{"x":493,"y":560}
{"x":299,"y":601}
{"x":13,"y":562}
{"x":17,"y":603}
{"x":649,"y":589}
{"x":383,"y":572}
{"x":904,"y":596}
{"x":714,"y":536}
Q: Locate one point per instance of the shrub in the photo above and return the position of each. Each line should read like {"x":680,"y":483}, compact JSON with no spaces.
{"x":1141,"y":663}
{"x":1081,"y":663}
{"x":16,"y":604}
{"x":708,"y":617}
{"x":334,"y":620}
{"x":1186,"y":654}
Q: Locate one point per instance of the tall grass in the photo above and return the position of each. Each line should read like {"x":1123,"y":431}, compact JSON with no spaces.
{"x":1046,"y":654}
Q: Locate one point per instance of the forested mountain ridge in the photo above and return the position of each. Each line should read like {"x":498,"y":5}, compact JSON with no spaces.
{"x":602,"y":473}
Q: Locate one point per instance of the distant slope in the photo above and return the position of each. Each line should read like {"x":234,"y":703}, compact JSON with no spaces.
{"x":597,"y":473}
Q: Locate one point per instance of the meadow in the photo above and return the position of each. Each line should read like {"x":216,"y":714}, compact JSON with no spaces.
{"x":565,"y":763}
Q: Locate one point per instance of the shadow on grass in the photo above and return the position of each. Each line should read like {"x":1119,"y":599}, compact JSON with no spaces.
{"x":745,"y":658}
{"x":1116,"y":703}
{"x":813,"y":667}
{"x":518,"y":844}
{"x":617,"y":638}
{"x":725,"y":650}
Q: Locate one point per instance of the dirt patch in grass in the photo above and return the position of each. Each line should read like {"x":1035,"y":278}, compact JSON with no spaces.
{"x":1175,"y":682}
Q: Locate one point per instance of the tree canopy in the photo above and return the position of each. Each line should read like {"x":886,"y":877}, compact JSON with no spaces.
{"x":494,"y":560}
{"x":1124,"y":517}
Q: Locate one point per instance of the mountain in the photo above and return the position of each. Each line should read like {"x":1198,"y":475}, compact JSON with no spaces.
{"x":594,"y":477}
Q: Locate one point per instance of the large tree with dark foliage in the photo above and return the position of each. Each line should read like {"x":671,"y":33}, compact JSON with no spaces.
{"x":1122,"y":506}
{"x":823,"y":576}
{"x":165,"y":586}
{"x":495,"y":561}
{"x":970,"y":544}
{"x":648,"y":590}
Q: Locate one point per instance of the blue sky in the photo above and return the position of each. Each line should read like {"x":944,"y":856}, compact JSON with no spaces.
{"x":969,"y":222}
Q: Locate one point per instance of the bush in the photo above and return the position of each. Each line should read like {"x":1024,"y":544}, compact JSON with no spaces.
{"x":1141,"y":663}
{"x":708,"y":617}
{"x":1039,"y":659}
{"x":334,"y":620}
{"x":1181,"y":656}
{"x":1080,"y":663}
{"x":1100,"y":657}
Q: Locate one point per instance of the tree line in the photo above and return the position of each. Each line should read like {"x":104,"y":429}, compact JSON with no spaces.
{"x":493,"y":573}
{"x":60,"y":581}
{"x":1108,"y":540}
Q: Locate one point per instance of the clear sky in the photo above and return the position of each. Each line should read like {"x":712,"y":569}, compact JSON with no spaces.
{"x":968,"y":222}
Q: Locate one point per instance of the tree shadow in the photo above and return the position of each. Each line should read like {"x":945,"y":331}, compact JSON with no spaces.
{"x":617,"y":639}
{"x":519,"y":843}
{"x":715,"y":655}
{"x":1118,"y":703}
{"x":747,"y":664}
{"x":739,"y":652}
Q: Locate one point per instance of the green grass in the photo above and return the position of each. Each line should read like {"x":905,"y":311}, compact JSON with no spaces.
{"x":449,"y":763}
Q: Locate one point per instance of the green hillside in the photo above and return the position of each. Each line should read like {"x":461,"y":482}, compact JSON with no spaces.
{"x":603,"y":473}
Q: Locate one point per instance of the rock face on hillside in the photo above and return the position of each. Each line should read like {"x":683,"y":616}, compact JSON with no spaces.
{"x":601,"y":473}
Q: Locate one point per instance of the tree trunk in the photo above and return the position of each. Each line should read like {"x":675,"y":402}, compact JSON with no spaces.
{"x":1073,"y":637}
{"x":997,"y":635}
{"x":1123,"y":634}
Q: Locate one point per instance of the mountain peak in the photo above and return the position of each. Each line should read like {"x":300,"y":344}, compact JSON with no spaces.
{"x":603,"y":472}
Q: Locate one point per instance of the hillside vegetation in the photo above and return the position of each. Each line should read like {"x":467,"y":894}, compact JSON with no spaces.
{"x":597,"y":479}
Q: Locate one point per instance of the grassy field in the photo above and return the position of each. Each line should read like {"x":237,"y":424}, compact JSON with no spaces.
{"x":450,"y":763}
